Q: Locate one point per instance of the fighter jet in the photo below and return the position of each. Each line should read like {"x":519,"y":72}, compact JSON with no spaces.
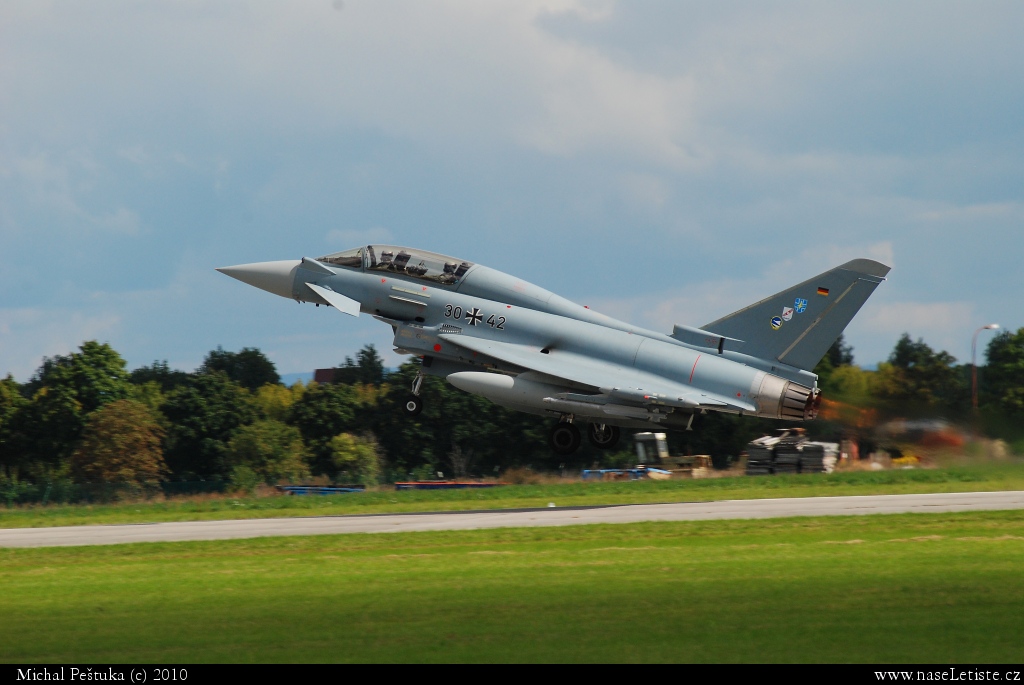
{"x":525,"y":348}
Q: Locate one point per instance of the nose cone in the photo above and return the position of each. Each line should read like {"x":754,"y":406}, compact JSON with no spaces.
{"x":274,"y":277}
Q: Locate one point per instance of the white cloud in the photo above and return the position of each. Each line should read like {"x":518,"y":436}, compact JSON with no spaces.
{"x":943,"y":325}
{"x":824,"y":257}
{"x":697,"y":304}
{"x":720,"y":135}
{"x":646,"y":191}
{"x":60,"y":187}
{"x":899,"y":317}
{"x":700,"y":303}
{"x":29,"y":334}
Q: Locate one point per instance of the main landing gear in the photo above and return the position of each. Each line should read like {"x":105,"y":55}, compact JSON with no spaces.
{"x":603,"y":436}
{"x":565,"y":437}
{"x":413,"y":405}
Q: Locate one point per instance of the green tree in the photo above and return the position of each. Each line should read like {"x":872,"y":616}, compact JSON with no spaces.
{"x":94,"y":375}
{"x":323,"y":411}
{"x":46,"y":429}
{"x":202,"y":416}
{"x":121,"y":443}
{"x":274,"y":401}
{"x":1002,"y":379}
{"x":495,"y":436}
{"x":356,"y":458}
{"x":11,"y":402}
{"x":851,"y":384}
{"x":839,"y":355}
{"x":160,"y":373}
{"x":367,"y":368}
{"x":149,"y":394}
{"x":917,"y":377}
{"x":250,"y":368}
{"x":62,"y":393}
{"x":272,"y":449}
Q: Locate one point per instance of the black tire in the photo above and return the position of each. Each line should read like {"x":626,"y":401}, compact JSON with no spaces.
{"x":565,"y":439}
{"x":606,"y":439}
{"x":412,"y":406}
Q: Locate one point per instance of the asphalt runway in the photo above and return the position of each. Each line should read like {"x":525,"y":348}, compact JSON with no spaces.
{"x":400,"y":523}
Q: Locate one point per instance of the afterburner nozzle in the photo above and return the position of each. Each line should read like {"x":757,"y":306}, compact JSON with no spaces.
{"x":274,"y":277}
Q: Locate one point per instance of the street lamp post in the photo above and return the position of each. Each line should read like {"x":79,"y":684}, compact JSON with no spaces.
{"x":974,"y":364}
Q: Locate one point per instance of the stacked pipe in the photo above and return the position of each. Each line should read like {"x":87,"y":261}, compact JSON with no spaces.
{"x":812,"y":458}
{"x":759,"y":460}
{"x":787,"y":455}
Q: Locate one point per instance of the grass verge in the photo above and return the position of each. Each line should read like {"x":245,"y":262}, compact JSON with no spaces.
{"x":981,"y":477}
{"x":927,"y":588}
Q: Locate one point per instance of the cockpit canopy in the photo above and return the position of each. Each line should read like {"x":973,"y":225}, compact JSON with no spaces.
{"x":349,"y":258}
{"x":428,"y":266}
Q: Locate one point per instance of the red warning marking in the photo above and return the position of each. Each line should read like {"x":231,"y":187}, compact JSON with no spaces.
{"x":693,"y":369}
{"x":739,"y":394}
{"x":437,"y":348}
{"x":383,"y":280}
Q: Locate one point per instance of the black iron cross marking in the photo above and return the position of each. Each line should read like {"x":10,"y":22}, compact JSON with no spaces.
{"x":474,"y":317}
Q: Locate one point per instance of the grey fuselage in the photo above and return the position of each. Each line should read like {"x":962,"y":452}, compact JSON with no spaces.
{"x":429,"y":319}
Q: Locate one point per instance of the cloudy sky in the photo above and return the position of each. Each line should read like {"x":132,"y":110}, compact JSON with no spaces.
{"x":662,"y":161}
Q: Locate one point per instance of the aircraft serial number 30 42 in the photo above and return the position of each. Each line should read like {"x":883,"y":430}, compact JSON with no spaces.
{"x":474,"y":316}
{"x":570,"y":362}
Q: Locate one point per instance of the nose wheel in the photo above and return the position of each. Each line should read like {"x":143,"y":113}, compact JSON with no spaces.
{"x":603,"y":436}
{"x":564,"y":439}
{"x":412,"y":406}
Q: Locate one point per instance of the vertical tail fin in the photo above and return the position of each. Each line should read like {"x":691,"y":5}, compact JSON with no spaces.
{"x":799,"y":324}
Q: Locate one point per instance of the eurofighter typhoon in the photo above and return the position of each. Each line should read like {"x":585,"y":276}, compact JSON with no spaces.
{"x":523,"y":347}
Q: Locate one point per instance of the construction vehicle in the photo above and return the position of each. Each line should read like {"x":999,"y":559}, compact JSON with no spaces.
{"x":652,"y":451}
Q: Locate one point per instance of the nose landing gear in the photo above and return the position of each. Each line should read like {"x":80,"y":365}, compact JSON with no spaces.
{"x":414,"y":405}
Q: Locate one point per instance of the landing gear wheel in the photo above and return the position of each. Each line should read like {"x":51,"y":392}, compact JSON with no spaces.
{"x":604,"y":436}
{"x":564,"y":439}
{"x":412,"y":406}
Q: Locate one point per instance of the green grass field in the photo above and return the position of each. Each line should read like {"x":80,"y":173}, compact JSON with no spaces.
{"x":982,"y":477}
{"x":906,"y":588}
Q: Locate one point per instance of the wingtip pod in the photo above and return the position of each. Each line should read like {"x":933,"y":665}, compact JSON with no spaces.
{"x":868,"y":267}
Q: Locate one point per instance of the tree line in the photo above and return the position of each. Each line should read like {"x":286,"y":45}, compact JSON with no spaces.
{"x":84,"y":417}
